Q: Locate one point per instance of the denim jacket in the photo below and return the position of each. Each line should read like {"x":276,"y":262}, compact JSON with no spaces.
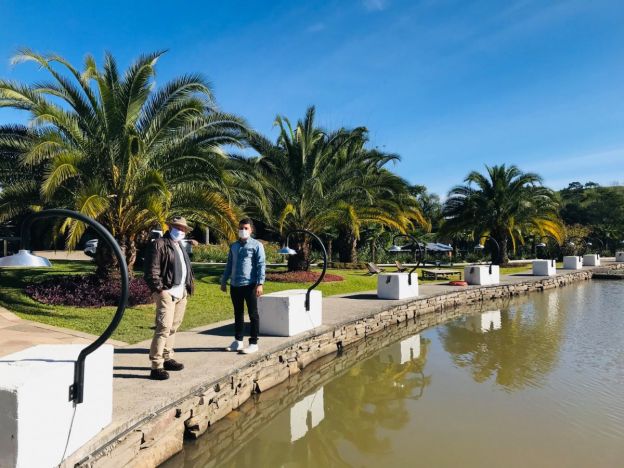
{"x":245,"y":264}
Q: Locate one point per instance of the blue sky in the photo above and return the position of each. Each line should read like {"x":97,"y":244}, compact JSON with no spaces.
{"x":448,"y":85}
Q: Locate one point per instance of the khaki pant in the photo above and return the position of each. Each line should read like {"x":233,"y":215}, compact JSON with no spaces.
{"x":169,"y":315}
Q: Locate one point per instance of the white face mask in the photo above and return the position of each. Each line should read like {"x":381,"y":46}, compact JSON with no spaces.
{"x":177,"y":235}
{"x":244,"y":234}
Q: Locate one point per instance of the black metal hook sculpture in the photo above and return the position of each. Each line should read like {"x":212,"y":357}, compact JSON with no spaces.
{"x":589,"y":243}
{"x":543,"y":245}
{"x":287,"y":251}
{"x":76,"y":390}
{"x":482,"y":246}
{"x":412,"y":250}
{"x":572,"y":244}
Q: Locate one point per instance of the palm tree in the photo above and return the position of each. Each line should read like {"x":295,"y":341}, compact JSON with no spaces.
{"x":322,"y":181}
{"x":114,"y":147}
{"x":506,"y":204}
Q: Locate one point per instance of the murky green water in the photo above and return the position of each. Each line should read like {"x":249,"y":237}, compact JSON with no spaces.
{"x":538,"y":382}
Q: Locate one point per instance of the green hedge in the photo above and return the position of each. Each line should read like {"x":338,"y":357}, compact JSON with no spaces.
{"x":219,"y":253}
{"x":348,"y":266}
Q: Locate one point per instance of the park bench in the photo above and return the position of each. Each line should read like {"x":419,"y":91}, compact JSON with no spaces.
{"x":441,"y":273}
{"x":373,"y":269}
{"x":400,"y":266}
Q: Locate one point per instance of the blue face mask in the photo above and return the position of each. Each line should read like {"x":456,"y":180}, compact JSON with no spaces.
{"x":177,"y":235}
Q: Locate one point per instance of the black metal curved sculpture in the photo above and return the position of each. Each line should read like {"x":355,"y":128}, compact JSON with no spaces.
{"x":588,"y":242}
{"x":542,"y":245}
{"x":76,"y":390}
{"x":398,"y":249}
{"x":482,"y":246}
{"x":288,"y":251}
{"x":573,"y":244}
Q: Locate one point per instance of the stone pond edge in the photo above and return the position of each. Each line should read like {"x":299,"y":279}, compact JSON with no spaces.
{"x":160,"y":435}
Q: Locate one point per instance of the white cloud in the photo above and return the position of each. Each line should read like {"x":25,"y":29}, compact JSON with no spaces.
{"x":375,"y":5}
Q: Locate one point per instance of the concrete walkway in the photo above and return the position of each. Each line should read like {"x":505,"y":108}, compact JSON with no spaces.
{"x":201,"y":350}
{"x":17,"y":334}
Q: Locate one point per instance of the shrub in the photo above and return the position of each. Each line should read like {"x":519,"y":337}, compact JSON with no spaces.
{"x":219,"y":252}
{"x":87,"y":291}
{"x":348,"y":266}
{"x":301,"y":277}
{"x":210,"y":253}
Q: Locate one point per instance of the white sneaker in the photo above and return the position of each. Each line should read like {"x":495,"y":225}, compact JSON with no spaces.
{"x":252,"y":348}
{"x":235,"y":346}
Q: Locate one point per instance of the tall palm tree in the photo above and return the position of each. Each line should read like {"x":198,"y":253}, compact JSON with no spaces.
{"x":506,"y":204}
{"x":320,"y":180}
{"x":114,"y":147}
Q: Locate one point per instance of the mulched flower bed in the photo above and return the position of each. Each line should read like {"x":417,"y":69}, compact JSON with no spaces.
{"x":301,"y":277}
{"x":87,"y":291}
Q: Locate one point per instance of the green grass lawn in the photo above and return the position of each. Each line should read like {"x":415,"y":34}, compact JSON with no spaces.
{"x":208,"y":305}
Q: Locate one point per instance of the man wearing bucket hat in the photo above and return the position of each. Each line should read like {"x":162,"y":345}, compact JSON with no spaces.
{"x":170,"y":278}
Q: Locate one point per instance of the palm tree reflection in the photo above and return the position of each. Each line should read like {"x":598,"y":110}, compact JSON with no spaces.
{"x":373,"y":395}
{"x":517,"y":346}
{"x":323,"y":427}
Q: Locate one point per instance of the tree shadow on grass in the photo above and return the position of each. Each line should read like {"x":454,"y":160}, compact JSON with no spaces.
{"x":27,"y":306}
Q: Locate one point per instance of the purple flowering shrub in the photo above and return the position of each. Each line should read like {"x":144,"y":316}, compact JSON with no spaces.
{"x":87,"y":291}
{"x":301,"y":277}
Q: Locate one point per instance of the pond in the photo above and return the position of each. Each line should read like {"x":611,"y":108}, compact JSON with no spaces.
{"x":533,"y":381}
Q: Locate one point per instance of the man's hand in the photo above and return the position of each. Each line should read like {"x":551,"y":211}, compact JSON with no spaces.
{"x":193,"y":242}
{"x":259,"y":290}
{"x":224,"y":287}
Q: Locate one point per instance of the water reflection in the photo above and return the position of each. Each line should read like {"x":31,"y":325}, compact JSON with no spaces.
{"x":487,"y":321}
{"x":303,"y":416}
{"x":374,"y":394}
{"x":355,"y":410}
{"x":377,"y":404}
{"x":516,"y":346}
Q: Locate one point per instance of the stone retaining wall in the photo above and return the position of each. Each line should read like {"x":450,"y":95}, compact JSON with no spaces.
{"x":161,"y":436}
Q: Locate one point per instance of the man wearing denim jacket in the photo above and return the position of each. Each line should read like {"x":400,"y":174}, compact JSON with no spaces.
{"x":246,"y":270}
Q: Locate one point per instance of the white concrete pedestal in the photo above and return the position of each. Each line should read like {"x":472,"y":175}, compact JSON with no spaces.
{"x":291,"y":425}
{"x":36,"y":415}
{"x":591,"y":260}
{"x":480,"y":274}
{"x":401,"y":352}
{"x":544,"y":268}
{"x":396,"y":286}
{"x":484,"y":322}
{"x":572,"y":262}
{"x":283,"y":313}
{"x":619,"y":257}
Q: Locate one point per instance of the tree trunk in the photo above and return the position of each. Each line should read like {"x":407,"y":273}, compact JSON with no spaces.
{"x":107,"y":265}
{"x":373,"y":250}
{"x":330,"y":243}
{"x":301,"y":261}
{"x":354,"y":254}
{"x":348,"y":248}
{"x":501,"y":257}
